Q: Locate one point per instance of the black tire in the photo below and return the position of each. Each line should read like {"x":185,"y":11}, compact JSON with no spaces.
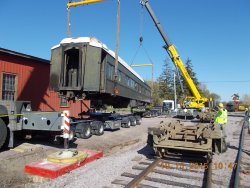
{"x":133,"y":121}
{"x":138,"y":120}
{"x":3,"y":133}
{"x":100,"y":130}
{"x":86,"y":132}
{"x":128,"y":124}
{"x":78,"y":135}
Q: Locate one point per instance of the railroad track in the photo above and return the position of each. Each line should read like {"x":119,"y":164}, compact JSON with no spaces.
{"x":175,"y":171}
{"x":242,"y":172}
{"x":224,"y":170}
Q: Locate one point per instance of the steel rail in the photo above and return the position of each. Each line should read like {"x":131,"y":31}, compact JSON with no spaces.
{"x":209,"y":175}
{"x":135,"y":182}
{"x":239,"y":156}
{"x":137,"y":179}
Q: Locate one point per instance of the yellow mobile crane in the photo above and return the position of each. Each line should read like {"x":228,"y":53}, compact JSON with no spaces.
{"x":195,"y":101}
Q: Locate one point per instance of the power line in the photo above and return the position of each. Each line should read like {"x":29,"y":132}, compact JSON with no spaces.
{"x":226,"y":81}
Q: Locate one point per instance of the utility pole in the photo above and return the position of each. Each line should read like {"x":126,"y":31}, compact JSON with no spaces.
{"x":75,"y":4}
{"x":175,"y":97}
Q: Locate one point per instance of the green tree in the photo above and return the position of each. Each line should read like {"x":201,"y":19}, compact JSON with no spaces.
{"x":179,"y":85}
{"x":192,"y":75}
{"x":246,"y":98}
{"x":165,"y":87}
{"x":166,"y":82}
{"x":155,"y":95}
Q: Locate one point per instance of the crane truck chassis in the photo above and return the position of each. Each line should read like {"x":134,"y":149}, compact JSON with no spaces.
{"x":17,"y":117}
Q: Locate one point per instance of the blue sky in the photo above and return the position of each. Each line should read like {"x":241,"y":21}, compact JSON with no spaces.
{"x":214,"y":34}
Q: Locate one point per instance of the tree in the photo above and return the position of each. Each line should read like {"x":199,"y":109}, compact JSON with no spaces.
{"x":166,"y":82}
{"x":245,"y":98}
{"x":155,"y":95}
{"x":192,"y":75}
{"x":165,"y":88}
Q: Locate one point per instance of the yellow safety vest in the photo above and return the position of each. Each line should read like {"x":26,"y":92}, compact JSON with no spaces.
{"x":221,"y":117}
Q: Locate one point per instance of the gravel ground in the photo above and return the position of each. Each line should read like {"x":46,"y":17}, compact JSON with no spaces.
{"x":102,"y":172}
{"x":127,"y":149}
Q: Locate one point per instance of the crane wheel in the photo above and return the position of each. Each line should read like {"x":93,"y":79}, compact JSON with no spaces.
{"x":3,"y":133}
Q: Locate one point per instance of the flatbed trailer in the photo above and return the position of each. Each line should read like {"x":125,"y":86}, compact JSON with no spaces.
{"x":18,"y":119}
{"x":97,"y":122}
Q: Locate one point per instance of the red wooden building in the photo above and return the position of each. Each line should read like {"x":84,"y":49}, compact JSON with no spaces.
{"x":25,"y":77}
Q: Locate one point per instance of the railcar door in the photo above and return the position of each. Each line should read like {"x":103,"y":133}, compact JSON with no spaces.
{"x":92,"y":59}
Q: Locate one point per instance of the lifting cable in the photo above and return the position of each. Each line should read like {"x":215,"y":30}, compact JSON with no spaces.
{"x":68,"y":19}
{"x":140,"y":38}
{"x":117,"y":40}
{"x":179,"y":78}
{"x":141,"y":44}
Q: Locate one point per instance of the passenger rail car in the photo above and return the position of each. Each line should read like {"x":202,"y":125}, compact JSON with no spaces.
{"x":83,"y":68}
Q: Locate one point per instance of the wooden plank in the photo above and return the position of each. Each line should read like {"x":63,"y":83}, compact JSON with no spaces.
{"x":173,"y":174}
{"x":124,"y":183}
{"x":162,"y":181}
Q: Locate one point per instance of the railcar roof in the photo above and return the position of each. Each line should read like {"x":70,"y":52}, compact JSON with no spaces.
{"x":96,"y":43}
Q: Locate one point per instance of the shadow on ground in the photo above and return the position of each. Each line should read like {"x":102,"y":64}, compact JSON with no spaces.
{"x":147,"y":151}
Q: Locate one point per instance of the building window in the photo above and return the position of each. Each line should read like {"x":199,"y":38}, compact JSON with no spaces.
{"x":8,"y":87}
{"x":63,"y":102}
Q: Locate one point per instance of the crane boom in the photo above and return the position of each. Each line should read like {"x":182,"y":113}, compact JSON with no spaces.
{"x":197,"y":101}
{"x":86,"y":2}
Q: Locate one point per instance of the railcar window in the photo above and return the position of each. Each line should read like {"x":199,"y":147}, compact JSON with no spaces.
{"x":132,"y":83}
{"x":119,"y":76}
{"x":136,"y":86}
{"x":123,"y":78}
{"x":109,"y":71}
{"x":139,"y":88}
{"x":126,"y":80}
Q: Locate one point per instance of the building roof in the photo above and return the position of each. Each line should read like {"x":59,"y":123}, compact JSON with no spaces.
{"x":10,"y":52}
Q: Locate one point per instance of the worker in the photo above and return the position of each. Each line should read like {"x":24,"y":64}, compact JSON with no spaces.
{"x":221,"y":120}
{"x":247,"y":119}
{"x":221,"y":117}
{"x":246,"y":111}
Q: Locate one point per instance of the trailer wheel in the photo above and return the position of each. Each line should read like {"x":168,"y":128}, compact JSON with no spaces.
{"x":138,"y":122}
{"x":128,"y":124}
{"x":3,"y":133}
{"x":100,"y":129}
{"x":86,"y":132}
{"x":78,"y":135}
{"x":133,"y":121}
